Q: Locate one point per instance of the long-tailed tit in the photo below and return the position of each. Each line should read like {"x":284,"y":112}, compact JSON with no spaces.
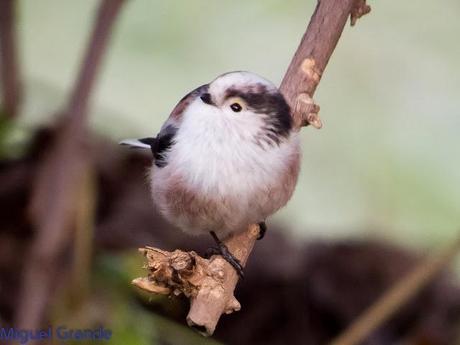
{"x":227,"y":156}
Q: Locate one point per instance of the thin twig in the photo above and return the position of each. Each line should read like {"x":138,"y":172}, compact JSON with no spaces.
{"x":397,"y":296}
{"x":210,"y":284}
{"x":360,"y":9}
{"x":107,"y":14}
{"x":9,"y":70}
{"x":55,"y":197}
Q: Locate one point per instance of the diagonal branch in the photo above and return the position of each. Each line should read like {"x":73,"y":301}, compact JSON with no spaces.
{"x":307,"y":66}
{"x":209,"y":284}
{"x":55,"y":198}
{"x":9,"y":70}
{"x":398,"y":295}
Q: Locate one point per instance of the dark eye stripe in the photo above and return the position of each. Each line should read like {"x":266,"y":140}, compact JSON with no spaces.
{"x":271,"y":104}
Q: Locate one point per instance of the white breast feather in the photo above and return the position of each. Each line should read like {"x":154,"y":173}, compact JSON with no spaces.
{"x":218,"y":155}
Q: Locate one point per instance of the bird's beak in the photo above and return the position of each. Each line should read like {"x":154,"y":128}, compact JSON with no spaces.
{"x":206,"y":98}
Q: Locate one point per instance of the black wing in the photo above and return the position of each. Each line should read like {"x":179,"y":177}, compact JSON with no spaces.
{"x":162,"y":144}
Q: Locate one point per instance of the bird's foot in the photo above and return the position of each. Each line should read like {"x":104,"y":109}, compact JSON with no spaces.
{"x":222,"y":250}
{"x":262,"y":230}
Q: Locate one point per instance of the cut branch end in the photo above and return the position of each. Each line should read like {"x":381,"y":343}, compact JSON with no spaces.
{"x":208,"y":283}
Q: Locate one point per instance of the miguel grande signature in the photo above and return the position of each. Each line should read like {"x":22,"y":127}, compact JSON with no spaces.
{"x":62,"y":333}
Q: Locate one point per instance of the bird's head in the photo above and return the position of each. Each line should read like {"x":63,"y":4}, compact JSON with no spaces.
{"x":243,"y":100}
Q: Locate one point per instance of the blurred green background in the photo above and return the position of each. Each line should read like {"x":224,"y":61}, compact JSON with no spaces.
{"x":387,"y":158}
{"x":385,"y":165}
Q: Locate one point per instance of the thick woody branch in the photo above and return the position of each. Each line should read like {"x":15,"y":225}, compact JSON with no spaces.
{"x":210,"y":284}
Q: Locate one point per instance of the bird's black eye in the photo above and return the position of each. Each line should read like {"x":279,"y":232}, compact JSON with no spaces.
{"x":206,"y":98}
{"x":236,"y":107}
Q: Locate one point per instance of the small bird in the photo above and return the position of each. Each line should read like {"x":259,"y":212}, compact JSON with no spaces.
{"x":227,"y":156}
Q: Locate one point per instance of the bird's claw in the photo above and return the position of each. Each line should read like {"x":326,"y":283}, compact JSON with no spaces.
{"x":222,"y":250}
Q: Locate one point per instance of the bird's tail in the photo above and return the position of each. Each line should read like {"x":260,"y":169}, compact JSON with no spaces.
{"x":144,"y":143}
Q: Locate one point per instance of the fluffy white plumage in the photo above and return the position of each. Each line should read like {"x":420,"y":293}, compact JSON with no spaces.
{"x":219,"y":174}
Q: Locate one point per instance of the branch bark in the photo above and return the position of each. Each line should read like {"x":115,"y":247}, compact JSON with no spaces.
{"x":60,"y":177}
{"x":210,"y":284}
{"x":9,"y":70}
{"x":309,"y":62}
